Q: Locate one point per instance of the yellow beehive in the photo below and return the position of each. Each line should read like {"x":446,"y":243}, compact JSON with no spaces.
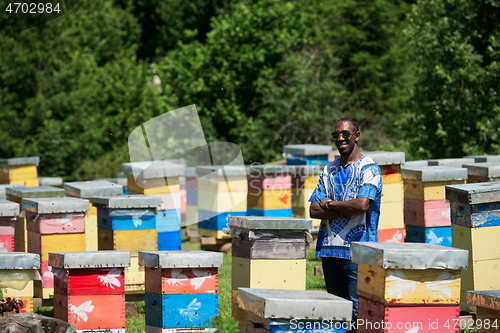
{"x":134,"y":277}
{"x":269,"y":199}
{"x":43,"y":244}
{"x":213,"y":185}
{"x":222,"y":201}
{"x":154,"y":186}
{"x":414,"y":189}
{"x":269,"y":273}
{"x":409,"y":286}
{"x":132,"y":241}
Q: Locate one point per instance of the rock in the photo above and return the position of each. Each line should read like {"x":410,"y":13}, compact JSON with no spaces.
{"x":131,"y":310}
{"x":33,"y":323}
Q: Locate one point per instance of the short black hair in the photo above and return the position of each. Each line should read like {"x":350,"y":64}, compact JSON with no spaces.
{"x":349,"y":119}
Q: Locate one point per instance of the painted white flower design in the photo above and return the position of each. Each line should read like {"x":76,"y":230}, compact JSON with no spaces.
{"x":400,"y":286}
{"x":66,"y":221}
{"x":202,"y":275}
{"x":433,"y":238}
{"x":177,"y":278}
{"x":110,"y":280}
{"x":191,"y":309}
{"x":137,"y":221}
{"x":81,"y":311}
{"x":440,"y":288}
{"x":48,"y":275}
{"x":396,"y":238}
{"x":414,"y":329}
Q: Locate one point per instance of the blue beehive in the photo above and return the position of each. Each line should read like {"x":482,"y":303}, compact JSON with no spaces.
{"x":269,"y":212}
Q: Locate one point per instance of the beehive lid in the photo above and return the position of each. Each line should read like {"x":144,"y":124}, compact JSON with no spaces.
{"x":127,"y":201}
{"x":418,"y":164}
{"x":294,"y":304}
{"x":433,"y":173}
{"x":89,"y":259}
{"x":486,"y":158}
{"x":50,"y":181}
{"x":152,"y":170}
{"x":487,"y":169}
{"x":475,"y":193}
{"x":223,"y":170}
{"x":5,"y":186}
{"x":34,"y":192}
{"x":307,"y":149}
{"x":8,"y":208}
{"x":20,"y":160}
{"x":55,"y":205}
{"x":180,"y":259}
{"x":484,"y":298}
{"x":409,"y":255}
{"x":386,"y":157}
{"x":269,"y":223}
{"x":92,"y":188}
{"x":451,"y":162}
{"x":19,"y":260}
{"x":190,"y":172}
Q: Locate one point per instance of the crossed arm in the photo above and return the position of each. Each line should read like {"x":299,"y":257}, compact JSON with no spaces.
{"x":338,"y":208}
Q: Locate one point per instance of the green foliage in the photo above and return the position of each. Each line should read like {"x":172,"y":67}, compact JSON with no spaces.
{"x":455,"y":110}
{"x":72,"y":90}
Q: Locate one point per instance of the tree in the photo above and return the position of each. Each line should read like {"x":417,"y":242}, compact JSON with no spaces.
{"x":72,"y":89}
{"x":455,"y":110}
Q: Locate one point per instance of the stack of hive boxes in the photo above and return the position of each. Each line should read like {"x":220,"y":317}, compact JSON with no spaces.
{"x":307,"y":154}
{"x":294,"y":311}
{"x":487,"y":303}
{"x":54,"y":225}
{"x":391,"y":223}
{"x":222,"y":192}
{"x":304,"y":181}
{"x":9,"y":212}
{"x":128,"y":223}
{"x":87,"y":190}
{"x":160,"y":179}
{"x":475,"y":217}
{"x":483,"y":172}
{"x":269,"y":191}
{"x":269,"y":253}
{"x":181,"y":290}
{"x":408,"y":287}
{"x":19,"y":170}
{"x":17,"y":272}
{"x":17,"y":194}
{"x":191,"y":221}
{"x":427,"y":213}
{"x":89,"y":289}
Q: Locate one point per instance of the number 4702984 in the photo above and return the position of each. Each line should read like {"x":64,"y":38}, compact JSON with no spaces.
{"x":32,"y":8}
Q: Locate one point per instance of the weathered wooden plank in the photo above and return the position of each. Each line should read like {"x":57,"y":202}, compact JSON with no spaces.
{"x":474,"y":193}
{"x":433,"y":213}
{"x":279,"y":199}
{"x":270,"y":245}
{"x":202,"y":280}
{"x":472,"y":216}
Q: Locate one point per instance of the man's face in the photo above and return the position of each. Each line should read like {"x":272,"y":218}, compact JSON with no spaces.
{"x":345,"y":146}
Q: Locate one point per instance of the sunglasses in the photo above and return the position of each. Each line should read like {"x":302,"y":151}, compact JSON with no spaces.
{"x":345,"y":134}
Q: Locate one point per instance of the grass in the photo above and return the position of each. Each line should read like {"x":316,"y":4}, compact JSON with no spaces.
{"x":224,"y":322}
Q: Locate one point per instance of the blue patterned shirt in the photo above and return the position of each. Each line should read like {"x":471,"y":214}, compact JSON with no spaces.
{"x":361,"y":179}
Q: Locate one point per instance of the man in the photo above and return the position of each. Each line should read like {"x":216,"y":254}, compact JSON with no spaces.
{"x":347,"y":200}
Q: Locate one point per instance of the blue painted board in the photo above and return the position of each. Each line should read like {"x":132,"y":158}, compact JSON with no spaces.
{"x":169,"y":241}
{"x":126,"y":219}
{"x":434,"y":235}
{"x":473,"y":216}
{"x":179,"y":311}
{"x":269,"y":212}
{"x":307,"y":160}
{"x":214,"y":220}
{"x":191,"y":196}
{"x":168,"y":220}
